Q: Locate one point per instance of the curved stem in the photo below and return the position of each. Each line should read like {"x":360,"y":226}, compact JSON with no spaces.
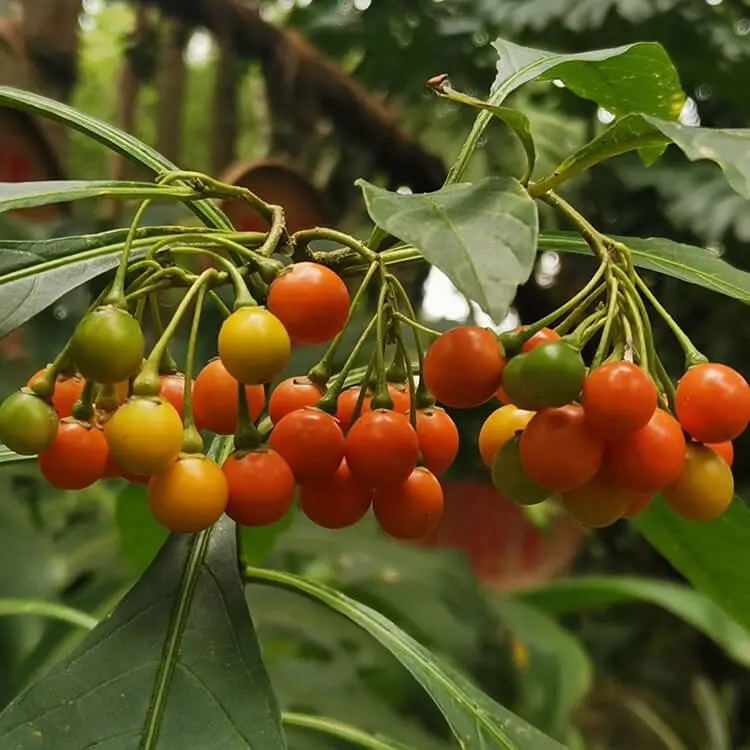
{"x":321,"y":372}
{"x":328,"y":400}
{"x":116,"y":294}
{"x":83,"y":408}
{"x":242,"y":296}
{"x":591,"y":235}
{"x":339,"y":731}
{"x":148,"y":383}
{"x":304,"y":237}
{"x":692,"y":355}
{"x":192,"y":442}
{"x":167,"y":364}
{"x":415,"y":326}
{"x":601,"y":350}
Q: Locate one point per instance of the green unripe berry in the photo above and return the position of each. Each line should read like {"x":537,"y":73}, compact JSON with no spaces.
{"x":28,"y":423}
{"x":108,"y":346}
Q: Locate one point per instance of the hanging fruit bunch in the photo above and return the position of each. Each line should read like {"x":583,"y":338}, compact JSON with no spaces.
{"x":604,"y":437}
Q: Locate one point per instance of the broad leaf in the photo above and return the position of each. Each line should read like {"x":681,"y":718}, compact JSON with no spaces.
{"x":729,"y":148}
{"x":627,"y":133}
{"x":545,"y":654}
{"x":635,"y":78}
{"x":178,"y":659}
{"x":23,"y":298}
{"x":694,"y":265}
{"x":7,"y":456}
{"x":113,"y":138}
{"x":712,"y":555}
{"x":482,"y":236}
{"x":18,"y":195}
{"x":591,"y":592}
{"x":475,"y":720}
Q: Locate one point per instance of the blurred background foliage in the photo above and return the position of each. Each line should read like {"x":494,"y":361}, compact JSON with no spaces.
{"x":255,"y":84}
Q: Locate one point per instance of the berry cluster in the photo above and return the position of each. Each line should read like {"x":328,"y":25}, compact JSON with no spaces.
{"x":601,"y":438}
{"x":102,"y":410}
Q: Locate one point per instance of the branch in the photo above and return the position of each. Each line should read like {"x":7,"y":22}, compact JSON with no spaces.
{"x":353,"y":111}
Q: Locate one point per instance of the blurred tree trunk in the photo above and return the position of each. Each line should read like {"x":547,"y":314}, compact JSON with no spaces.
{"x":128,"y":85}
{"x":225,"y":108}
{"x":170,"y":85}
{"x":50,"y":50}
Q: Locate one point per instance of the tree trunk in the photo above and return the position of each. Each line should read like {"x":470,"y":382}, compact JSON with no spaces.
{"x":170,"y":86}
{"x":225,"y":108}
{"x":128,"y":86}
{"x":51,"y":41}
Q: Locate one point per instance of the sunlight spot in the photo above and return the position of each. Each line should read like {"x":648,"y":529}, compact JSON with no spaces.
{"x":689,"y":115}
{"x":199,"y":48}
{"x":362,"y":4}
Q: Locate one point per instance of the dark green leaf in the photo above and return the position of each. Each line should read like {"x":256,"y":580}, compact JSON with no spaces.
{"x":712,"y":555}
{"x":113,"y":138}
{"x":17,"y":195}
{"x":694,"y":265}
{"x":482,"y":236}
{"x":15,"y":607}
{"x":22,"y":298}
{"x":587,"y":593}
{"x":475,"y":720}
{"x":730,"y":149}
{"x":176,"y":665}
{"x":141,"y":536}
{"x":635,"y":78}
{"x":546,"y":654}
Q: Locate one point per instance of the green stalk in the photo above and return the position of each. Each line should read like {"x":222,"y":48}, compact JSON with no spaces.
{"x":192,"y":442}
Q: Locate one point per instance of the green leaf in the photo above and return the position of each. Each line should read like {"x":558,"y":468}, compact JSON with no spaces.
{"x":7,"y":456}
{"x":712,"y":555}
{"x":592,"y":592}
{"x":116,"y":140}
{"x":35,"y":274}
{"x":548,"y":655}
{"x":47,"y":609}
{"x":695,"y":265}
{"x":17,"y":195}
{"x":625,"y":134}
{"x":340,"y":731}
{"x":258,"y":543}
{"x":475,"y":720}
{"x":141,"y":536}
{"x":635,"y":78}
{"x":726,"y":147}
{"x":482,"y":236}
{"x":729,"y":148}
{"x":178,"y":658}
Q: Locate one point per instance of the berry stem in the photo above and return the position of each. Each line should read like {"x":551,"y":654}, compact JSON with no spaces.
{"x":381,"y":397}
{"x":242,"y":296}
{"x":423,"y":396}
{"x":590,"y":234}
{"x":579,"y":302}
{"x":83,"y":408}
{"x":304,"y":237}
{"x":148,"y":383}
{"x":328,"y":400}
{"x":612,"y":291}
{"x":116,"y":294}
{"x":246,"y":437}
{"x":192,"y":442}
{"x":692,"y":355}
{"x":167,"y":364}
{"x":414,"y":325}
{"x":321,"y":372}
